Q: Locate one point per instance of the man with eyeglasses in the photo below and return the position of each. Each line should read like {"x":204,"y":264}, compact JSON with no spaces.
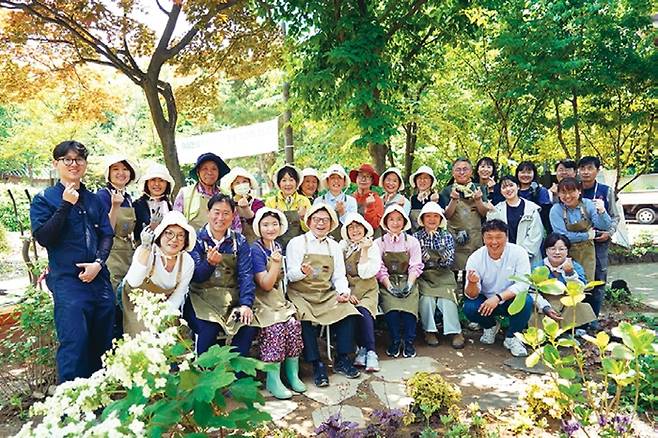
{"x":319,"y":289}
{"x":72,"y":224}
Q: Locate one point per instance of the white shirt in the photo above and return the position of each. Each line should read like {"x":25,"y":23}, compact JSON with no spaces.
{"x":308,"y":244}
{"x":371,"y":266}
{"x":138,"y":272}
{"x":494,"y":274}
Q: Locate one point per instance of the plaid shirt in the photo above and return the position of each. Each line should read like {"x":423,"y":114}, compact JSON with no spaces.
{"x":440,"y":241}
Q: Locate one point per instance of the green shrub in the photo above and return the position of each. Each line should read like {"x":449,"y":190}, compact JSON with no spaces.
{"x":7,"y":214}
{"x":431,"y":394}
{"x":4,"y":243}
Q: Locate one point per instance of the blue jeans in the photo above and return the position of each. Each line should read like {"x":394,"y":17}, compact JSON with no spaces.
{"x":517,"y":323}
{"x":393,"y":320}
{"x":344,"y":331}
{"x":365,"y":333}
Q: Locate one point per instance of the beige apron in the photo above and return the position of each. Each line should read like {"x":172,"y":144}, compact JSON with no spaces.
{"x":201,"y":218}
{"x":582,"y":252}
{"x":122,"y":251}
{"x":366,"y":290}
{"x":583,"y":312}
{"x":465,"y":217}
{"x":248,"y":231}
{"x":215,"y":299}
{"x":294,"y":228}
{"x":435,"y":281}
{"x":132,"y":325}
{"x":314,"y":295}
{"x":272,"y":307}
{"x":397,"y":264}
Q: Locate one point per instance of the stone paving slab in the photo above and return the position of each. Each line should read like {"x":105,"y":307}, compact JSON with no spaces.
{"x":518,"y":364}
{"x":347,"y":413}
{"x":642,"y":279}
{"x":496,"y":390}
{"x":392,"y":395}
{"x":279,"y":408}
{"x":340,"y":388}
{"x":398,"y":370}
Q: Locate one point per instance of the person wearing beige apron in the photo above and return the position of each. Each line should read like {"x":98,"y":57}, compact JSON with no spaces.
{"x":161,"y":265}
{"x":577,"y":219}
{"x":335,"y":180}
{"x":465,"y":205}
{"x":240,"y":184}
{"x":437,"y":283}
{"x":280,"y":337}
{"x":290,"y":202}
{"x":563,"y":269}
{"x":222,"y":288}
{"x":310,"y":183}
{"x":422,"y":182}
{"x":192,"y":200}
{"x":319,"y":290}
{"x":156,"y":184}
{"x":393,"y":185}
{"x":362,"y":262}
{"x":401,"y":266}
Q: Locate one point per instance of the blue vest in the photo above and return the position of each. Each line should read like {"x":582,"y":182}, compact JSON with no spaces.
{"x":598,"y":191}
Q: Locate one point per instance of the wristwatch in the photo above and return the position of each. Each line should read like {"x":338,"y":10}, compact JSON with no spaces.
{"x":100,"y":262}
{"x":500,"y":298}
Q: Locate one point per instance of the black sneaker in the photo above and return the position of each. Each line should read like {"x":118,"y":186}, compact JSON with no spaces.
{"x":344,"y":366}
{"x":409,"y":349}
{"x":393,"y":349}
{"x":320,"y":374}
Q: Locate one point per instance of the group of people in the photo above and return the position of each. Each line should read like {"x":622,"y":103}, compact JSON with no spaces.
{"x":313,"y":255}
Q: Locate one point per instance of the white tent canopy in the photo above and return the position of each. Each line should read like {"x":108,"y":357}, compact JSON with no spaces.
{"x":245,"y":141}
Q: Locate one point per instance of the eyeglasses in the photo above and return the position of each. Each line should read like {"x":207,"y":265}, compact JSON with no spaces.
{"x":555,"y":249}
{"x":320,"y":220}
{"x":461,"y":169}
{"x":69,"y":161}
{"x":170,"y":235}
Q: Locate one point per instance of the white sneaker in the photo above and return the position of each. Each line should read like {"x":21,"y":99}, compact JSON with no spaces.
{"x":372,"y":362}
{"x":473,"y":326}
{"x":515,"y":347}
{"x":489,"y":334}
{"x":360,"y":359}
{"x":580,"y":332}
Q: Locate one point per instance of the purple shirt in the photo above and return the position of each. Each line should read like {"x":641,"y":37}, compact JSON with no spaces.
{"x":401,"y":243}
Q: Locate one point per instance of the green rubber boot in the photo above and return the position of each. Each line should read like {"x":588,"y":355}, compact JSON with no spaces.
{"x":274,"y":384}
{"x":291,"y":367}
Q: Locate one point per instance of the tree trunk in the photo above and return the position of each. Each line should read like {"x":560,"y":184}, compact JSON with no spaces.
{"x":287,"y":127}
{"x":558,"y":127}
{"x":411,"y":131}
{"x":165,"y":126}
{"x":378,"y":154}
{"x":576,"y":126}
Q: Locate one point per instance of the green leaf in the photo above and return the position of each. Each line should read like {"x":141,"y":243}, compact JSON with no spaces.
{"x":216,"y":355}
{"x":518,"y":303}
{"x":567,"y":373}
{"x":551,"y":327}
{"x":203,"y":412}
{"x":188,"y":379}
{"x":567,"y":343}
{"x":534,"y":358}
{"x":552,"y":287}
{"x":572,"y":300}
{"x":211,"y":381}
{"x":592,"y":284}
{"x":638,"y":339}
{"x":247,"y":365}
{"x":178,"y":349}
{"x":620,"y":352}
{"x":246,"y":390}
{"x":540,"y":274}
{"x":165,"y":413}
{"x":551,"y":355}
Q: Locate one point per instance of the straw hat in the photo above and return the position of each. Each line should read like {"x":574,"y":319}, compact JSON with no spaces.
{"x":259,"y":215}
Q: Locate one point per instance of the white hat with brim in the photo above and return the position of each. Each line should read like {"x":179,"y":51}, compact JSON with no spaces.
{"x":322,"y":206}
{"x":259,"y":215}
{"x":396,"y":171}
{"x":335,"y":169}
{"x":157,"y":170}
{"x":176,"y":218}
{"x":291,"y":167}
{"x":390,"y":209}
{"x":227,"y":180}
{"x":422,"y":169}
{"x":309,"y":171}
{"x":432,"y":207}
{"x":113,"y":159}
{"x":355,"y":217}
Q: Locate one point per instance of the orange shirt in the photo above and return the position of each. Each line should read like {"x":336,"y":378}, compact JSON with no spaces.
{"x":372,"y":213}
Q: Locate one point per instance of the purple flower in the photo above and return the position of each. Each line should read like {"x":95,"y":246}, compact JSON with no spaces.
{"x":621,"y":423}
{"x":570,"y":427}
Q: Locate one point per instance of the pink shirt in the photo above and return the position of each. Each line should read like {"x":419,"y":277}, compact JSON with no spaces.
{"x":410,"y":245}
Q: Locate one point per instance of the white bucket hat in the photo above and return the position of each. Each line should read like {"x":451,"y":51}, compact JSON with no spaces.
{"x":294,"y":169}
{"x":390,"y":209}
{"x":176,"y":218}
{"x":113,"y":159}
{"x":432,"y":207}
{"x":335,"y":169}
{"x":322,"y":206}
{"x":422,"y":169}
{"x":309,"y":171}
{"x":227,"y":180}
{"x":259,"y":215}
{"x":156,"y":170}
{"x":396,"y":171}
{"x":355,"y":217}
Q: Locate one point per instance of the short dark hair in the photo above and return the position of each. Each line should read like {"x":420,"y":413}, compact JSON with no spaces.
{"x":286,"y":170}
{"x":554,"y":238}
{"x":511,"y":178}
{"x":494,"y":225}
{"x":221,"y":197}
{"x":527,"y":165}
{"x":569,"y":184}
{"x":589,"y":160}
{"x":269,"y":214}
{"x":568,"y":163}
{"x":70,"y":145}
{"x":490,"y":162}
{"x":185,"y":244}
{"x":462,"y":160}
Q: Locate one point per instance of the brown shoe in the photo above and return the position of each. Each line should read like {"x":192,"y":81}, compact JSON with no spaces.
{"x":458,"y":341}
{"x":430,"y":339}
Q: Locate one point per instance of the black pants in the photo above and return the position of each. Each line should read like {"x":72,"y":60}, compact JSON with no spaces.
{"x":344,"y":331}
